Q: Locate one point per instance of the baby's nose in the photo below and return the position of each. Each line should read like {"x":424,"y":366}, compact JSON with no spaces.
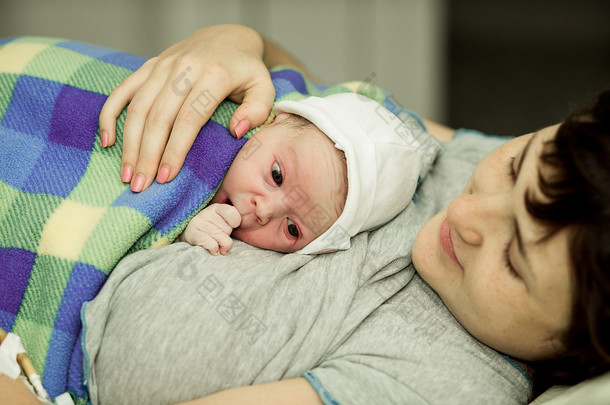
{"x":265,"y":209}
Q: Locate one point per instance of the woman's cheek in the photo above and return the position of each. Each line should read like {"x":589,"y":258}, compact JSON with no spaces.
{"x":425,"y":251}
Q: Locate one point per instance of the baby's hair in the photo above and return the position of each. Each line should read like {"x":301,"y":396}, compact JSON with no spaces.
{"x":297,"y":122}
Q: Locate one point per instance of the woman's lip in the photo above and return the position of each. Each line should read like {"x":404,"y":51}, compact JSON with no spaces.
{"x":447,"y":243}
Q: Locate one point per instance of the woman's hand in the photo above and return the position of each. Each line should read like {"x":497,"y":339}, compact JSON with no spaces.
{"x":174,"y":94}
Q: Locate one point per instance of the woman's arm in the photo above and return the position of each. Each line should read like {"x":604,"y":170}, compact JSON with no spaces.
{"x":274,"y":55}
{"x":439,"y":131}
{"x":14,"y":392}
{"x":295,"y":391}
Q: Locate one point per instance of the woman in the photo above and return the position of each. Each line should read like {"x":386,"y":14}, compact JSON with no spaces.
{"x":519,"y":257}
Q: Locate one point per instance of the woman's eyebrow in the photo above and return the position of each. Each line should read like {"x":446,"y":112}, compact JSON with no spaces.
{"x":524,"y":154}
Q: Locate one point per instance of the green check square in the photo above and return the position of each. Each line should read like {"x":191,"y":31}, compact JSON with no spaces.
{"x":23,"y":216}
{"x":108,"y":243}
{"x":97,"y":76}
{"x":57,"y":64}
{"x":101,"y":183}
{"x":7,"y":84}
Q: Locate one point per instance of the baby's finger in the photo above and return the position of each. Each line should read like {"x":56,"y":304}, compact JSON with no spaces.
{"x":205,"y":241}
{"x":118,"y":99}
{"x":212,"y":222}
{"x":194,"y":113}
{"x":225,"y":243}
{"x":254,"y":110}
{"x":230,"y":215}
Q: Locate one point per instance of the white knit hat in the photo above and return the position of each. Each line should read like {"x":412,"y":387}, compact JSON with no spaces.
{"x":383,"y":162}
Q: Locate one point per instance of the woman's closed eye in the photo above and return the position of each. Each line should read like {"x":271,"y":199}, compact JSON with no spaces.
{"x":512,"y":173}
{"x":511,"y":169}
{"x":276,"y":173}
{"x":508,"y":263}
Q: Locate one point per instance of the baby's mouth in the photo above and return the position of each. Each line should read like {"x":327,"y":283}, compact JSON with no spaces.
{"x":229,"y":202}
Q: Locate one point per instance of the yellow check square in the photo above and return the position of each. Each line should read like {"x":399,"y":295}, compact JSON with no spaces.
{"x":15,"y":57}
{"x":68,"y":228}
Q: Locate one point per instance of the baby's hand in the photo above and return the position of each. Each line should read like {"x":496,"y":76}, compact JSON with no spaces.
{"x":212,"y":227}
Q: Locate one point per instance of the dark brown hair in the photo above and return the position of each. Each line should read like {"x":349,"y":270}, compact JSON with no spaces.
{"x":579,"y":194}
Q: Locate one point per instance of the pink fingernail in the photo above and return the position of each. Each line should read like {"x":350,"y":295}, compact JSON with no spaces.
{"x":126,"y":173}
{"x":138,"y":183}
{"x":163,"y":174}
{"x":104,"y":138}
{"x":242,"y":128}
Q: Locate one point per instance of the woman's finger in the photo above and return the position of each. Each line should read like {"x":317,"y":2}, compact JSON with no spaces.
{"x":133,"y":130}
{"x":197,"y":109}
{"x":159,"y":122}
{"x":118,"y":99}
{"x":255,"y":108}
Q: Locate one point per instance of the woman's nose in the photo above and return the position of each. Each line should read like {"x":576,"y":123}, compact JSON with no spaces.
{"x":474,"y":216}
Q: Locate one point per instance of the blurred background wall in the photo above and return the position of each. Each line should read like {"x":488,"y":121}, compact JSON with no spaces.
{"x":502,"y":67}
{"x":515,"y":66}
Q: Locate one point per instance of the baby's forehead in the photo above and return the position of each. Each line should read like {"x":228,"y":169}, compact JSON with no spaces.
{"x":338,"y":165}
{"x":314,"y":138}
{"x":311,"y":147}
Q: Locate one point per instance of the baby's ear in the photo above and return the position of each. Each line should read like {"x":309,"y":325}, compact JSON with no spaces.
{"x":281,"y":117}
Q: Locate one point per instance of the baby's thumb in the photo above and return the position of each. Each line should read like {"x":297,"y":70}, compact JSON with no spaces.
{"x":253,"y":111}
{"x":230,"y":214}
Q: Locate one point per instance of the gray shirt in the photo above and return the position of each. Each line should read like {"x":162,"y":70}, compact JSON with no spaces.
{"x":175,"y":323}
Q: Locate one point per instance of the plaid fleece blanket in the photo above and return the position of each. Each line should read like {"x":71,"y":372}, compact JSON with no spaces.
{"x":66,"y":219}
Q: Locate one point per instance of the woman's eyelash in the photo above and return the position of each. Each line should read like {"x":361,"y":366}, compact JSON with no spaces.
{"x":511,"y":169}
{"x":508,"y":264}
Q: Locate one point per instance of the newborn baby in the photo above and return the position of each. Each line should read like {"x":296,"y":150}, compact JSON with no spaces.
{"x":324,"y":170}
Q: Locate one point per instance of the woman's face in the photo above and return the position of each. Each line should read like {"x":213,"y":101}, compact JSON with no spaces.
{"x":485,"y":258}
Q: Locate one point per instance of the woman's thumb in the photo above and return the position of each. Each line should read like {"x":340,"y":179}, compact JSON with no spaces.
{"x":254,"y":109}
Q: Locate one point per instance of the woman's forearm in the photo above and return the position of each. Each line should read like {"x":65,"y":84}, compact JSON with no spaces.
{"x":274,"y":55}
{"x":439,"y":131}
{"x":295,"y":391}
{"x":15,"y":392}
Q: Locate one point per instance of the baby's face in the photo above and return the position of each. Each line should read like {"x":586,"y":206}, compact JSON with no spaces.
{"x":289,"y":185}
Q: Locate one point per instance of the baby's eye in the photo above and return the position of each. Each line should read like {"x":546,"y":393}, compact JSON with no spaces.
{"x":293,"y":229}
{"x":276,"y":174}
